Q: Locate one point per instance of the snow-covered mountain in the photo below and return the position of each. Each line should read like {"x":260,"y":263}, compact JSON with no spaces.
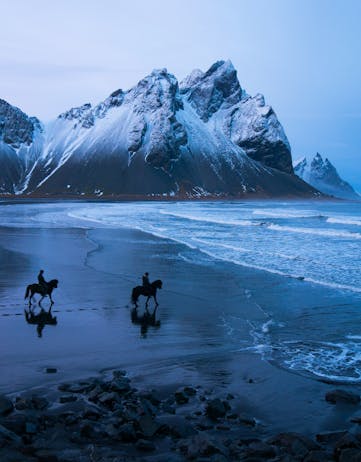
{"x":322,"y":175}
{"x":205,"y":135}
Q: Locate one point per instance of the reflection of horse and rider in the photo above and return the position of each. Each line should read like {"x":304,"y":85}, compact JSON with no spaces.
{"x":41,"y":319}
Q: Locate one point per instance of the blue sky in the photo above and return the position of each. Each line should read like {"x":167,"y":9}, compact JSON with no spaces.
{"x":302,"y":55}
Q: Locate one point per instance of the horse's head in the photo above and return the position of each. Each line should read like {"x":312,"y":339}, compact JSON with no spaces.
{"x":53,"y":283}
{"x":158,"y":284}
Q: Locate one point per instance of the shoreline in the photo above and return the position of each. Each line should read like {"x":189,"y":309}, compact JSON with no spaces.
{"x":191,"y":347}
{"x":166,"y":198}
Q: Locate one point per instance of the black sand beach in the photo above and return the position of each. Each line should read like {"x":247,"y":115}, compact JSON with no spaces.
{"x":191,"y":347}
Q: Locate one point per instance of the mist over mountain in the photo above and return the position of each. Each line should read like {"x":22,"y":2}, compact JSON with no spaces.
{"x":204,"y":135}
{"x":322,"y":175}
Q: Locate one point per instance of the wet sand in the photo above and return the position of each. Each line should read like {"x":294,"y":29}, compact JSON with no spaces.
{"x":192,"y":345}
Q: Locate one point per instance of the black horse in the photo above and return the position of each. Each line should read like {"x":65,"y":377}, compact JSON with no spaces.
{"x":150,"y":291}
{"x":38,"y":289}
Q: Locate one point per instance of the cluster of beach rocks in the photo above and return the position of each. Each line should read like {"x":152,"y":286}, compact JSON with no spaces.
{"x":107,"y":420}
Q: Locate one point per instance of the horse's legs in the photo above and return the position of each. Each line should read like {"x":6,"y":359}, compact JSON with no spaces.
{"x":52,"y":301}
{"x":155,"y":299}
{"x":41,"y":300}
{"x":146,"y":303}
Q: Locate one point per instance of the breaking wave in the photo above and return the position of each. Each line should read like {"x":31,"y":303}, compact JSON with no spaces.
{"x":316,"y":232}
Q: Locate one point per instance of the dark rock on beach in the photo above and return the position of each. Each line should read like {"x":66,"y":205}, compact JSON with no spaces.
{"x":6,"y":405}
{"x":217,"y":408}
{"x":294,"y":443}
{"x":342,"y":396}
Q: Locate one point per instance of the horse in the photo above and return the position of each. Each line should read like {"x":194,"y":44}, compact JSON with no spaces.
{"x":150,"y":291}
{"x":38,"y":289}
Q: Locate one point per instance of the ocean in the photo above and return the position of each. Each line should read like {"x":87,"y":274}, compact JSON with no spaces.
{"x":295,"y":266}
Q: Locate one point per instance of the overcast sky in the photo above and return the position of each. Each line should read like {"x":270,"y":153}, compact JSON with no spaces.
{"x":303,"y":55}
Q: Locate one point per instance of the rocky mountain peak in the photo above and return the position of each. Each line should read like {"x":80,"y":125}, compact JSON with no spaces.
{"x":323,"y":168}
{"x":158,"y":89}
{"x":16,"y":128}
{"x":208,"y":92}
{"x":192,"y":79}
{"x":323,"y":175}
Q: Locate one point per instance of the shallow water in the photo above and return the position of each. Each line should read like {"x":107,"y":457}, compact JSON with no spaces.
{"x":303,"y":317}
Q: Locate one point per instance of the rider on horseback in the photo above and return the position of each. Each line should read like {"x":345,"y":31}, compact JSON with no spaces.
{"x":146,"y":283}
{"x":42,"y":283}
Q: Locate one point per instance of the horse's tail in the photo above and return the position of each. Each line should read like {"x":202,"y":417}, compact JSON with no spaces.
{"x":134,"y":295}
{"x":27,"y":292}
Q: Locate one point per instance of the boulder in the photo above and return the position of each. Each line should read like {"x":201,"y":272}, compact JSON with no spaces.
{"x":144,"y":445}
{"x":319,"y":456}
{"x":294,"y":443}
{"x":347,"y":441}
{"x":342,"y":396}
{"x":127,"y":433}
{"x":148,"y":426}
{"x":67,"y":399}
{"x":8,"y":435}
{"x":45,"y":455}
{"x":200,"y":445}
{"x":257,"y":451}
{"x":181,"y":397}
{"x":6,"y":405}
{"x":216,"y":409}
{"x":176,"y":426}
{"x":350,"y":455}
{"x":330,"y":437}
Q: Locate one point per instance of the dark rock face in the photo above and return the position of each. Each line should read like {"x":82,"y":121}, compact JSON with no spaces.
{"x":216,"y":88}
{"x":11,"y":169}
{"x":248,"y":122}
{"x":16,"y":128}
{"x":17,"y":150}
{"x":254,"y":127}
{"x":323,"y":175}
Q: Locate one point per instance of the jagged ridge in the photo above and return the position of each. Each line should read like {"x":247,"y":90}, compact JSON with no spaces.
{"x":323,"y":175}
{"x":159,"y":137}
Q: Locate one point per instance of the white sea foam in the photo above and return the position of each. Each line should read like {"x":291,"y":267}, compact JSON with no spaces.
{"x":335,"y":361}
{"x":339,"y":362}
{"x":208,"y":219}
{"x":316,"y":231}
{"x":287,"y":213}
{"x":344,"y":221}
